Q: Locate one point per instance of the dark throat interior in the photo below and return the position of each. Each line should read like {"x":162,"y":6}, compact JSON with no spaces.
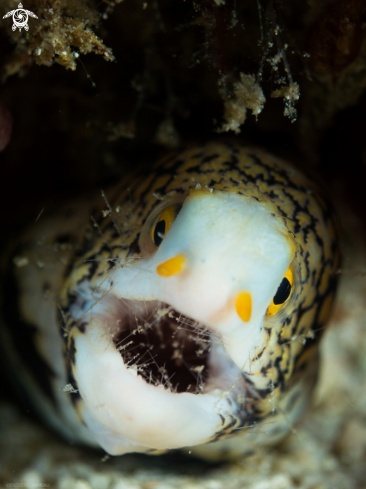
{"x":166,"y":348}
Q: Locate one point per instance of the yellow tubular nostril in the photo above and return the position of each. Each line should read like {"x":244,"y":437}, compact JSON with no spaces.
{"x":172,"y":266}
{"x":243,"y":306}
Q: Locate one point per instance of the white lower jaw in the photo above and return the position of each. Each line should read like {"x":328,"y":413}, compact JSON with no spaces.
{"x":123,"y":410}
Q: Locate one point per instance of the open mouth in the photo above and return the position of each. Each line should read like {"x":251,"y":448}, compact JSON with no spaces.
{"x":153,"y":377}
{"x":169,"y":349}
{"x":166,"y":348}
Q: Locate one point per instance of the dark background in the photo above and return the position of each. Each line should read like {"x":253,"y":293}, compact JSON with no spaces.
{"x":170,"y":57}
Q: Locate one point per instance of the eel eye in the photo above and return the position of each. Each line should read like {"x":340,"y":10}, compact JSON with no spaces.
{"x":282,"y":294}
{"x":164,"y":223}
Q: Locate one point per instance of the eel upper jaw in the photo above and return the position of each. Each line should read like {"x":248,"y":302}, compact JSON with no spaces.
{"x":218,"y":248}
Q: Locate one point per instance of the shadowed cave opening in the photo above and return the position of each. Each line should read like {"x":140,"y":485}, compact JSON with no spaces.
{"x":165,"y":348}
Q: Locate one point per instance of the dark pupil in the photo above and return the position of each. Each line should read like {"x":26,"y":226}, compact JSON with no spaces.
{"x":283,"y":292}
{"x":159,"y":229}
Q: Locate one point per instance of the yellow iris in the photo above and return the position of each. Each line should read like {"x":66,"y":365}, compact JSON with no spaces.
{"x":163,"y":224}
{"x":283,"y":293}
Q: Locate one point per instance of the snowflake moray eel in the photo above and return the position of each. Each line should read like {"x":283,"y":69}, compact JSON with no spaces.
{"x":186,"y":313}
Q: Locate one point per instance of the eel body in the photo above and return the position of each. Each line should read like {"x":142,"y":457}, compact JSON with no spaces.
{"x":186,"y":313}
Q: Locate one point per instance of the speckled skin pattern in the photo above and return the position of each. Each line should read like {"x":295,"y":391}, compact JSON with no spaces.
{"x":283,"y":371}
